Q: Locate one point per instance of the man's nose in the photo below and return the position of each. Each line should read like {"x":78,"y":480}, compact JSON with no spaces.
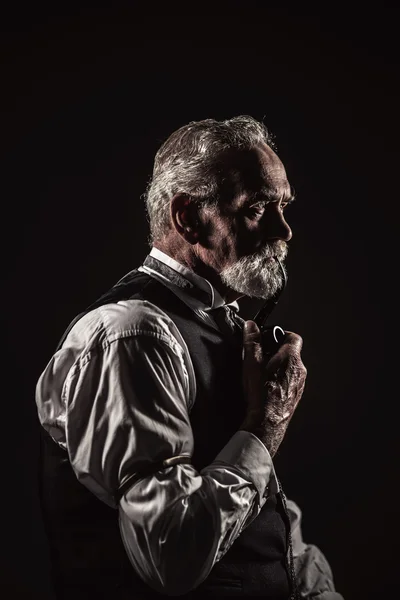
{"x":276,"y":226}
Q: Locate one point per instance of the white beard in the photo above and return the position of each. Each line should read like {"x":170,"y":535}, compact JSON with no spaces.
{"x":257,"y":275}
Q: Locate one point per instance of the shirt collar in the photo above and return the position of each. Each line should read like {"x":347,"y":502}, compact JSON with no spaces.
{"x":201,"y":292}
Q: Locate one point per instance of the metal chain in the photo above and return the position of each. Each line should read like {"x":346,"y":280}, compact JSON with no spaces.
{"x":295,"y":595}
{"x":237,"y":324}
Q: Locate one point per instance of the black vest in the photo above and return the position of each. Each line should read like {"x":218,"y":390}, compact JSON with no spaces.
{"x":87,"y":555}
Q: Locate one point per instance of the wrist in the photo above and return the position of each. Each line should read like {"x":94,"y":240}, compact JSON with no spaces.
{"x":270,"y":436}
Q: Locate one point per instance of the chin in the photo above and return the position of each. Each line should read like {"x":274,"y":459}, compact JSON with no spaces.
{"x":256,"y":277}
{"x":253,"y":289}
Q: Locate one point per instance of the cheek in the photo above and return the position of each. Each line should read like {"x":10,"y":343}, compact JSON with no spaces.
{"x":248,"y":239}
{"x":230,"y":239}
{"x":224,"y":244}
{"x":223,"y":235}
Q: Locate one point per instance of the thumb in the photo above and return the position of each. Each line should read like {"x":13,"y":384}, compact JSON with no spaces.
{"x":252,"y":342}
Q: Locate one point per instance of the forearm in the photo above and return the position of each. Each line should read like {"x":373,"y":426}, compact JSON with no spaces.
{"x":169,"y":519}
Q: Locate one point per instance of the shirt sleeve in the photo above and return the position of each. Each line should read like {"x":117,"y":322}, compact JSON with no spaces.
{"x":313,"y":573}
{"x":127,"y":407}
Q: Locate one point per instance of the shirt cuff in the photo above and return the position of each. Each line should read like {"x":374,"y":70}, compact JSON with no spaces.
{"x":248,"y":454}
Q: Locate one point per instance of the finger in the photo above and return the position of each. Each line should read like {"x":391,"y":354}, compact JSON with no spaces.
{"x":252,"y":364}
{"x":294,"y":340}
{"x":252,"y":342}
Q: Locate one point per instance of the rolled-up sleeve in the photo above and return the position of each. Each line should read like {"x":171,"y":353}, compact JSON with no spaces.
{"x":126,"y":408}
{"x":313,"y":573}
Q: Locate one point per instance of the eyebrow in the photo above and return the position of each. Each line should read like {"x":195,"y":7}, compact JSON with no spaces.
{"x":270,"y":196}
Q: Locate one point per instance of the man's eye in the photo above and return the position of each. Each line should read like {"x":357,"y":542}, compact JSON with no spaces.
{"x":256,"y":209}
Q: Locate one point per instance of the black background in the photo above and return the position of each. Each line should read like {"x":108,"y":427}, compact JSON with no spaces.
{"x":88,"y":95}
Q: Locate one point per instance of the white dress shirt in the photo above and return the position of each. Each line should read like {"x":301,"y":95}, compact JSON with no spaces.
{"x":119,"y":393}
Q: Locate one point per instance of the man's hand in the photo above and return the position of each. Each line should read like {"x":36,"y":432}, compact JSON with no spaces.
{"x":272,"y":390}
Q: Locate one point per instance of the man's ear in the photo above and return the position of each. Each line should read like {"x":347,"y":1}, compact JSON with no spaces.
{"x":185,"y":217}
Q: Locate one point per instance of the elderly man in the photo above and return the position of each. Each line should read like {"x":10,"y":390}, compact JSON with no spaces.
{"x":161,"y":413}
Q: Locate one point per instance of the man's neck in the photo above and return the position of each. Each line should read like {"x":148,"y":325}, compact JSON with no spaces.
{"x":187,"y":257}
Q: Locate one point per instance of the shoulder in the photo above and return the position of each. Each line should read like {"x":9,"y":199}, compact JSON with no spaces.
{"x":118,"y":321}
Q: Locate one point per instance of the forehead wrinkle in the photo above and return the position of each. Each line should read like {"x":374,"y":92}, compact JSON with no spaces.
{"x":253,"y":174}
{"x":271,"y":194}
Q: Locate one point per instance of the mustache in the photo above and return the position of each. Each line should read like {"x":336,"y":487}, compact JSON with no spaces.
{"x":277,"y":249}
{"x":256,"y":275}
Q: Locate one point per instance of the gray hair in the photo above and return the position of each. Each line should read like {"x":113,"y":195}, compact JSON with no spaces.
{"x":187,"y":162}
